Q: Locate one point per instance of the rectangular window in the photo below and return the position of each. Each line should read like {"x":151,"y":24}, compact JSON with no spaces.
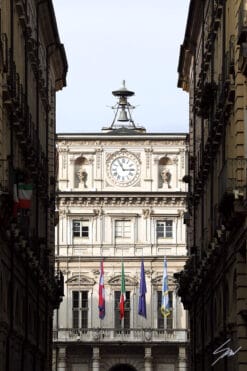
{"x":126,"y":319}
{"x":164,"y":322}
{"x":80,"y":309}
{"x":81,"y":228}
{"x":164,"y":229}
{"x":122,"y":228}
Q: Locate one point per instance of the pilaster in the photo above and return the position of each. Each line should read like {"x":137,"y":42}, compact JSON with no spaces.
{"x":148,"y":359}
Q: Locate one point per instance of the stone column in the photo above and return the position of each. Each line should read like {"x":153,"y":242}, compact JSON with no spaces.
{"x":182,"y":364}
{"x":148,"y":359}
{"x":96,"y":359}
{"x":62,"y":364}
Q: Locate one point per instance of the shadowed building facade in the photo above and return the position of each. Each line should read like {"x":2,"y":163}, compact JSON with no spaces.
{"x":213,"y":285}
{"x":33,"y":67}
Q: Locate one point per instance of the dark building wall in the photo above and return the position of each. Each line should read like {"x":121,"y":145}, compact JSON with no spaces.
{"x":33,"y":67}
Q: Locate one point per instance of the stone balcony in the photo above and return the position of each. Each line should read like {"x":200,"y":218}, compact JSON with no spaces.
{"x":111,"y":335}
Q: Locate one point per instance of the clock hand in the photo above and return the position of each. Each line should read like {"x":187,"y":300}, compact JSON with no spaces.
{"x":128,"y":169}
{"x":120,"y":165}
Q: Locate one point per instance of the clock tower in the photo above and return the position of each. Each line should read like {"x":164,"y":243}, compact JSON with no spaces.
{"x":121,"y":201}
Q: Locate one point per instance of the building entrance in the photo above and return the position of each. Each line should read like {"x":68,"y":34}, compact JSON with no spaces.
{"x":122,"y":367}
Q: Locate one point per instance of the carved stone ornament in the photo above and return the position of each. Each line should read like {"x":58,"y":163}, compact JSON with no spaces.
{"x":148,"y":335}
{"x":62,"y":213}
{"x":147,"y":213}
{"x":98,"y":212}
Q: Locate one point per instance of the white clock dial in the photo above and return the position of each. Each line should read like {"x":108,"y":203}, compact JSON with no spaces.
{"x":123,"y":169}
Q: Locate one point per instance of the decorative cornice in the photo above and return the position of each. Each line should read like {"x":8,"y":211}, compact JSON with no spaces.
{"x":72,"y":199}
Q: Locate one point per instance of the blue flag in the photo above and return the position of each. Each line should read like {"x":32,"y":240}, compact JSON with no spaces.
{"x":142,"y":293}
{"x":165,"y":304}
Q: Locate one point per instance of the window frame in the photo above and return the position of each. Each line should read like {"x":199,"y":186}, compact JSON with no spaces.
{"x":123,"y":324}
{"x":120,"y":225}
{"x":80,"y":311}
{"x":84,"y":223}
{"x":167,"y":230}
{"x":164,"y":323}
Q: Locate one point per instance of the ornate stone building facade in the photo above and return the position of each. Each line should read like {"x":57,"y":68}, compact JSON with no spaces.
{"x":120,"y":198}
{"x":213,"y":285}
{"x":33,"y":67}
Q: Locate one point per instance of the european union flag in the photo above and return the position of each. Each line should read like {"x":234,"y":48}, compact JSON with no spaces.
{"x":165,"y":304}
{"x":142,"y":293}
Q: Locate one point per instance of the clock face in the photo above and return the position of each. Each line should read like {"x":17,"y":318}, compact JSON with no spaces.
{"x":124,"y":169}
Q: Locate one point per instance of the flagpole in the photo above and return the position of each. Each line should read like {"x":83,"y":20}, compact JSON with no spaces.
{"x":122,"y":319}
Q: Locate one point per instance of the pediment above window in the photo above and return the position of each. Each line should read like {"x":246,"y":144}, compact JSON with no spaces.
{"x":157,"y":281}
{"x":129,"y":281}
{"x":80,"y":280}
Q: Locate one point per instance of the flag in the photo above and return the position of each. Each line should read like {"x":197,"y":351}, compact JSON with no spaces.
{"x":15,"y":199}
{"x":142,"y":293}
{"x":24,"y":195}
{"x":101,"y":292}
{"x":122,"y":294}
{"x":165,"y":305}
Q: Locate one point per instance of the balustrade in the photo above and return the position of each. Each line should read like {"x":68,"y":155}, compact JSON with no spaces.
{"x":105,"y":335}
{"x":233,"y":177}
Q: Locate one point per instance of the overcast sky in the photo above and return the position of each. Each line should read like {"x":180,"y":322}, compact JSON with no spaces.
{"x":107,"y":41}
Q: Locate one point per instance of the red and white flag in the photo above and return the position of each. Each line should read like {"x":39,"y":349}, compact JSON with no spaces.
{"x":101,"y":292}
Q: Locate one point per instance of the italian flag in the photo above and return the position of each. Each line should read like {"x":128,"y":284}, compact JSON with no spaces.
{"x":16,"y":200}
{"x":23,"y":195}
{"x":122,"y":294}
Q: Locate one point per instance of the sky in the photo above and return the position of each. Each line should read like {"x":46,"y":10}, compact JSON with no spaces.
{"x":108,"y":41}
